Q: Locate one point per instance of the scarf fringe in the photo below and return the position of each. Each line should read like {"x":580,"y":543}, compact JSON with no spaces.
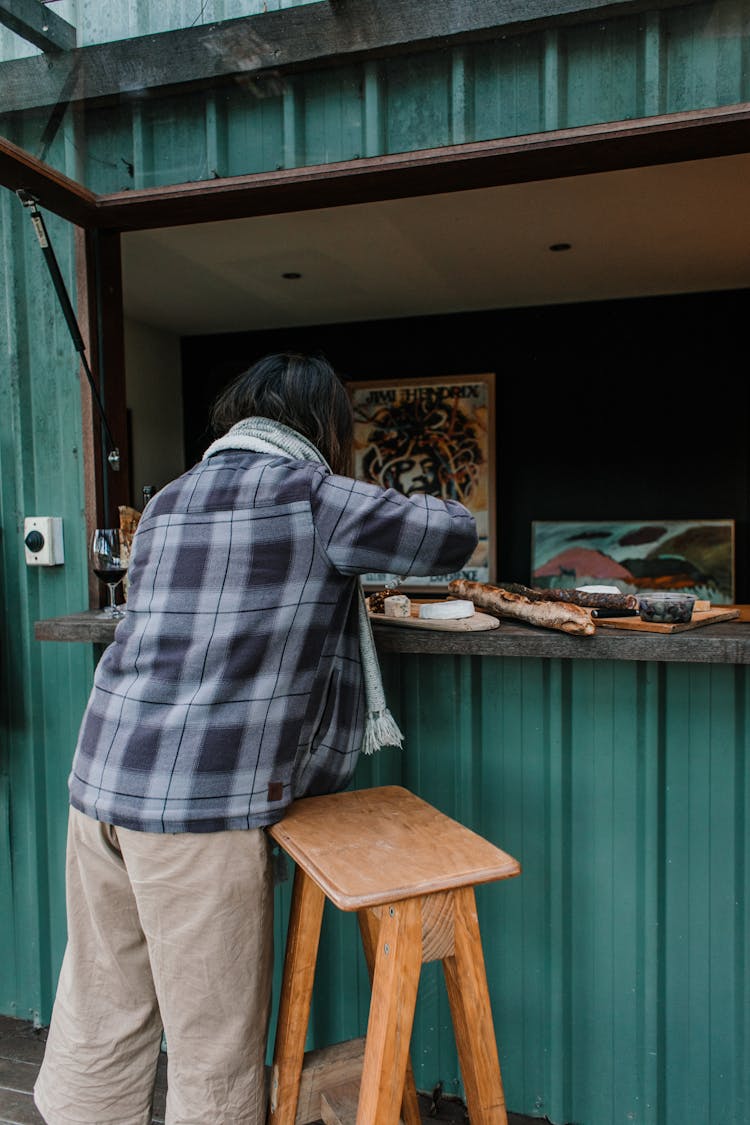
{"x":381,"y":730}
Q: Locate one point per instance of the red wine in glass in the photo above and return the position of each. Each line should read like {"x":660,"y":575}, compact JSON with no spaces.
{"x":108,"y":564}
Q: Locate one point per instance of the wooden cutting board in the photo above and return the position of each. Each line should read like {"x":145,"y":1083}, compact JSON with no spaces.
{"x":706,"y":617}
{"x":476,"y":623}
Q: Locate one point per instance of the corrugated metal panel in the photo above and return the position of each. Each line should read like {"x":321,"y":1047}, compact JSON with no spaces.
{"x":507,"y":84}
{"x":44,"y":687}
{"x":617,"y":961}
{"x":655,"y":62}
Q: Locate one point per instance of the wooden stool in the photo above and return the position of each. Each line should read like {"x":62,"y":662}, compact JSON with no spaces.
{"x":409,"y":871}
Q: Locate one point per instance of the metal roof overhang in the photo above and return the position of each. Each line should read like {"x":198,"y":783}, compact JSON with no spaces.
{"x":326,"y":33}
{"x":568,"y":152}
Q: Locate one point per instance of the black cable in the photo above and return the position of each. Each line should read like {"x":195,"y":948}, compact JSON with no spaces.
{"x":30,"y":203}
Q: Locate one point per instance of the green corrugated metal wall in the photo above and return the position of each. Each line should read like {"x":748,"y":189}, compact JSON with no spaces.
{"x":43,"y":687}
{"x":617,"y":961}
{"x":663,"y":61}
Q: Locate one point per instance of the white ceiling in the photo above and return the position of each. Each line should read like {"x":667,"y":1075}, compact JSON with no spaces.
{"x":675,"y":228}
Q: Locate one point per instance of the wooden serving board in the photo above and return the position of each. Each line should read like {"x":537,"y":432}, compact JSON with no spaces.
{"x":473,"y":624}
{"x":706,"y":617}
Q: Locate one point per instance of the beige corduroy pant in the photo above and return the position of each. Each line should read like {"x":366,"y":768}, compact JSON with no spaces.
{"x":164,"y":931}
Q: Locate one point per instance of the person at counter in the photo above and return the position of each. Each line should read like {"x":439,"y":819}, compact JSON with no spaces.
{"x":242,"y":676}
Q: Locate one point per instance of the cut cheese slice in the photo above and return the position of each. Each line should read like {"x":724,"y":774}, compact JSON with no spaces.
{"x":397,"y":605}
{"x":449,"y":610}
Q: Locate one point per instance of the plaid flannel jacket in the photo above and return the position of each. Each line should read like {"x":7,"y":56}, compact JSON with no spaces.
{"x":233,"y":684}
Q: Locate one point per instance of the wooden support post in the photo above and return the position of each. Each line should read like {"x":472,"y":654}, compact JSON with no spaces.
{"x":368,"y":928}
{"x":302,"y":940}
{"x":466,"y":978}
{"x":397,"y":965}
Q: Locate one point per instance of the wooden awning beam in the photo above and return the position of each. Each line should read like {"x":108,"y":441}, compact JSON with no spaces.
{"x":19,"y":170}
{"x":510,"y":160}
{"x":38,"y":24}
{"x":668,"y":139}
{"x":301,"y":37}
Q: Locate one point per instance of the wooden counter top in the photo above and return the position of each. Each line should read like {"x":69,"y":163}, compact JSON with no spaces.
{"x":89,"y":625}
{"x":724,"y":643}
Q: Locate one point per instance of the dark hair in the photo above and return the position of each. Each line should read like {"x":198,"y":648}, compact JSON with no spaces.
{"x":300,"y":391}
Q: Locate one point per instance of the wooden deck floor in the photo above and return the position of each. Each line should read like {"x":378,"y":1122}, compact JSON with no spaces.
{"x":22,"y":1048}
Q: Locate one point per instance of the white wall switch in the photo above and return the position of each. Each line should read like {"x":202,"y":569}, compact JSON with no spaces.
{"x":43,"y":541}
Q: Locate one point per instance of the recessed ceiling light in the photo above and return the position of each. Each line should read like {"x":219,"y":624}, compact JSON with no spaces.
{"x":291,"y":276}
{"x":557,"y":246}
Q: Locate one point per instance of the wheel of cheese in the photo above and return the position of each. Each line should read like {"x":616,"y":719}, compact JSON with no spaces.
{"x":449,"y":610}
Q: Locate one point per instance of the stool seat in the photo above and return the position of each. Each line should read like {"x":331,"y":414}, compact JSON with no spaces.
{"x":373,"y":846}
{"x":409,"y":872}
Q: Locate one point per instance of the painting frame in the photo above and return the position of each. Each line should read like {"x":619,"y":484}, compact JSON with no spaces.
{"x":412,"y":412}
{"x":695,"y":555}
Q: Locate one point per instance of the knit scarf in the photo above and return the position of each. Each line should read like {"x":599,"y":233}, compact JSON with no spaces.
{"x":262,"y":435}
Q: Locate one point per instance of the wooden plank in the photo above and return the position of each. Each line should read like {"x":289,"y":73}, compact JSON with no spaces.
{"x":20,"y":1041}
{"x":478,"y":622}
{"x":38,"y":24}
{"x":303,"y":935}
{"x":55,"y":192}
{"x":369,"y":926}
{"x":373,"y":846}
{"x":398,"y":963}
{"x":288,"y":39}
{"x":18,"y":1109}
{"x":466,"y":980}
{"x":107,"y":361}
{"x":88,"y":626}
{"x":324,"y":1068}
{"x":91,"y":436}
{"x":339,"y":1105}
{"x":634,"y":624}
{"x":725,"y":643}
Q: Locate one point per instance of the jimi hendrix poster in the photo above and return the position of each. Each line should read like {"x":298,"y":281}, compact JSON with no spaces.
{"x":432,"y":435}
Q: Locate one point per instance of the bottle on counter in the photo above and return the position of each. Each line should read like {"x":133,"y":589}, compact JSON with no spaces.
{"x":148,"y":491}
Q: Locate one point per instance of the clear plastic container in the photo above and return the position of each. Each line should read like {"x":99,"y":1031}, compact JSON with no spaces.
{"x":667,"y":607}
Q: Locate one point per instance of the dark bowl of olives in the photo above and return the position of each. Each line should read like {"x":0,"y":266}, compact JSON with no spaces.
{"x":667,"y":607}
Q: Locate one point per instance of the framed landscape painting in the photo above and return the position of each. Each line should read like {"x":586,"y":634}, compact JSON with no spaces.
{"x":433,"y":435}
{"x":696,"y":556}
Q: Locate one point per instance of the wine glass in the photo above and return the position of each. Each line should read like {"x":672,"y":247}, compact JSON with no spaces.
{"x":108,"y":564}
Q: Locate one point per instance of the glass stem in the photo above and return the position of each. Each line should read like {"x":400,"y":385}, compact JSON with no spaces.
{"x":111,"y":587}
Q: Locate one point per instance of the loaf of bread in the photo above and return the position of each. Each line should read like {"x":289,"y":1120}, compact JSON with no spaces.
{"x":563,"y":616}
{"x":588,"y":598}
{"x":129,"y":518}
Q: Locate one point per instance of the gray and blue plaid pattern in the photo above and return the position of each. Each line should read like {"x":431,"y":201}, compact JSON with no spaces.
{"x":233,"y":684}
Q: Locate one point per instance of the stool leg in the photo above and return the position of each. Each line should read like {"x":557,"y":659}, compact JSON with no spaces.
{"x":469,"y":998}
{"x":398,"y":961}
{"x":368,"y":928}
{"x":303,"y":935}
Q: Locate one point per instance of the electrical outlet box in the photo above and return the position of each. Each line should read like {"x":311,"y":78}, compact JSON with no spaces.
{"x":43,"y":541}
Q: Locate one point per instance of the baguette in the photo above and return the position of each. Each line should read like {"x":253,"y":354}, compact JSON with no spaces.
{"x":502,"y":603}
{"x":129,"y":518}
{"x":588,"y":598}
